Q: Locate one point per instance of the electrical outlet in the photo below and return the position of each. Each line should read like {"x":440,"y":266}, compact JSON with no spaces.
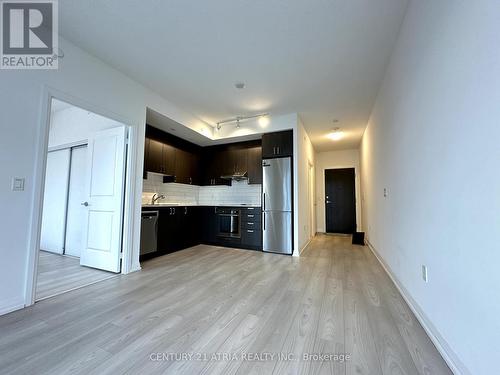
{"x":425,"y":275}
{"x":386,"y":193}
{"x":17,"y":184}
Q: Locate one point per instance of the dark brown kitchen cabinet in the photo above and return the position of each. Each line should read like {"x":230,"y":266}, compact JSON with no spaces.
{"x":186,"y":167}
{"x":178,"y":228}
{"x":182,"y":174}
{"x":278,"y":144}
{"x":169,"y":159}
{"x":146,"y":158}
{"x":254,"y":158}
{"x":154,"y":161}
{"x":215,"y":164}
{"x":169,"y":226}
{"x":239,"y":159}
{"x":159,"y":157}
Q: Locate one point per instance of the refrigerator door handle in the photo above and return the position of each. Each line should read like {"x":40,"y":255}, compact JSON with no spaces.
{"x":263,"y":201}
{"x":264,"y":221}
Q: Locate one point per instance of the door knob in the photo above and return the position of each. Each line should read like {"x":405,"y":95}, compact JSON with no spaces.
{"x":86,"y":204}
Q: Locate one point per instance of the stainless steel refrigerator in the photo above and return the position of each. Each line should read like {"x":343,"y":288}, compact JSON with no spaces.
{"x":277,"y":205}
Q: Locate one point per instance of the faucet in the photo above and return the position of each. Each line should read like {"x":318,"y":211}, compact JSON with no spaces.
{"x":156,"y":197}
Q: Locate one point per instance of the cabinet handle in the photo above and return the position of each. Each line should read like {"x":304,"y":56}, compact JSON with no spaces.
{"x":279,"y":150}
{"x":249,"y":231}
{"x":185,"y":210}
{"x":250,"y":223}
{"x":190,"y":180}
{"x":173,"y":210}
{"x":250,"y":215}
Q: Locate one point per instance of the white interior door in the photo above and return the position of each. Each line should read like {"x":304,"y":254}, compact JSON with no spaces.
{"x":104,"y":200}
{"x":76,"y":216}
{"x":54,"y":201}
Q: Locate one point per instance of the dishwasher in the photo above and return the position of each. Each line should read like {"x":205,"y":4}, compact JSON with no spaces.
{"x":149,"y":232}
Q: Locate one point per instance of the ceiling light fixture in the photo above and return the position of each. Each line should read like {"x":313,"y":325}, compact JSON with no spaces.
{"x":336,"y":134}
{"x":264,"y":121}
{"x":238,"y":120}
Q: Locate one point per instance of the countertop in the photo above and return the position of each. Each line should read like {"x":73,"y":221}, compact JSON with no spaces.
{"x":166,"y":205}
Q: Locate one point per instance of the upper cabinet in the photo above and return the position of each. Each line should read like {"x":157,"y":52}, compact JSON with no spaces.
{"x":254,"y":155}
{"x":276,"y":145}
{"x":171,"y":156}
{"x":186,"y":167}
{"x":186,"y":163}
{"x":232,"y":159}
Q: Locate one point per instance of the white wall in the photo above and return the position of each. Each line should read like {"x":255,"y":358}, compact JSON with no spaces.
{"x":303,"y":157}
{"x":88,"y":81}
{"x":74,"y":124}
{"x":433,"y":141}
{"x":333,"y":160}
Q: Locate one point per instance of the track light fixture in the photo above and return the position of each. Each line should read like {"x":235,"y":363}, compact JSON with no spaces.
{"x":238,"y":119}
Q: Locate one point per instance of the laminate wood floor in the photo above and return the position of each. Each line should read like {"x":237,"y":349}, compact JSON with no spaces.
{"x":58,"y":274}
{"x":225,"y":305}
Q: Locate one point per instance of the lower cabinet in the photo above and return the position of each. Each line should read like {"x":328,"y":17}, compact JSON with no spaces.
{"x":180,"y":227}
{"x":169,"y":225}
{"x":208,"y":225}
{"x":251,"y":228}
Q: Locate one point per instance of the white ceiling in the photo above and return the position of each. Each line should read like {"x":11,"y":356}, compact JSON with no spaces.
{"x":323,"y":59}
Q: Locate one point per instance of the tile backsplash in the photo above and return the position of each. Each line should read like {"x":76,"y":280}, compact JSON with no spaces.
{"x":239,"y":193}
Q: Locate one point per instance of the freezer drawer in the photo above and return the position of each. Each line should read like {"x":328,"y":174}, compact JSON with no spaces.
{"x":277,"y":232}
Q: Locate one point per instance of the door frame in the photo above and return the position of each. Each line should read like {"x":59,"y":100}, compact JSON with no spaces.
{"x":357,"y":187}
{"x":129,"y":209}
{"x":311,"y":199}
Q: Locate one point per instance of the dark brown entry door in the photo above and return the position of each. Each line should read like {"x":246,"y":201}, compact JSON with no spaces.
{"x":340,"y":200}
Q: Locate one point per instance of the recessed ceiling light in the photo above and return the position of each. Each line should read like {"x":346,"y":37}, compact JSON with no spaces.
{"x":335,"y":134}
{"x":239,"y":85}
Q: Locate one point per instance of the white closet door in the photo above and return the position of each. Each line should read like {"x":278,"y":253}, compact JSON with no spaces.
{"x":54,"y":201}
{"x":76,"y":212}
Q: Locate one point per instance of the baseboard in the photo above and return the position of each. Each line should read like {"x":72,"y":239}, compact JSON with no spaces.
{"x":12,"y":305}
{"x":306,"y":244}
{"x":450,"y":357}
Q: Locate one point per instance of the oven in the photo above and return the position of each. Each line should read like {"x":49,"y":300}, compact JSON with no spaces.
{"x":228,"y":222}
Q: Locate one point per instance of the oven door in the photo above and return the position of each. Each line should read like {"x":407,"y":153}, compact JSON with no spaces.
{"x":229,"y":224}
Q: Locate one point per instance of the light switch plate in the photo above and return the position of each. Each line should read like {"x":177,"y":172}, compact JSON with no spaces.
{"x":17,"y":184}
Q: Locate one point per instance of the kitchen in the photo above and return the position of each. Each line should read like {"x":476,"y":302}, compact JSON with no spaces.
{"x":236,"y":194}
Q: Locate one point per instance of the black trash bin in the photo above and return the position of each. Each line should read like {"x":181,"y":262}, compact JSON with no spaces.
{"x":358,"y":238}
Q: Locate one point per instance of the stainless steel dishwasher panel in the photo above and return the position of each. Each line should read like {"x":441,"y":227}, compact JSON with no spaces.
{"x":149,"y":232}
